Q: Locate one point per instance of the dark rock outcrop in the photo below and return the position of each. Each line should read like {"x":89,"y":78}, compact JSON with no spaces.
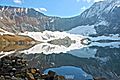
{"x":65,"y":42}
{"x":16,"y":68}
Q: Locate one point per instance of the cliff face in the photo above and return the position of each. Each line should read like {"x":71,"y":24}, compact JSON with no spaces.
{"x":16,"y":19}
{"x":104,"y":15}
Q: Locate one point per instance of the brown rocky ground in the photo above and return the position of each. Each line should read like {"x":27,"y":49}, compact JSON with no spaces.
{"x":15,"y":39}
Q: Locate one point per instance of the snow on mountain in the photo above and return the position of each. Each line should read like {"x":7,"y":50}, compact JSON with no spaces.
{"x":105,"y":23}
{"x":104,"y":15}
{"x":41,"y":9}
{"x":50,"y":48}
{"x":110,"y":44}
{"x":2,"y":31}
{"x":100,"y":13}
{"x":49,"y":35}
{"x":2,"y":54}
{"x":101,"y":7}
{"x":111,"y":37}
{"x":83,"y":30}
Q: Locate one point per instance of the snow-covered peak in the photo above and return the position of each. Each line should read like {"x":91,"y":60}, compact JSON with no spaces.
{"x":101,"y":7}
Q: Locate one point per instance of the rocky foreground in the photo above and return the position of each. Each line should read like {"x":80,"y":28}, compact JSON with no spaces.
{"x":16,"y":68}
{"x":15,"y":39}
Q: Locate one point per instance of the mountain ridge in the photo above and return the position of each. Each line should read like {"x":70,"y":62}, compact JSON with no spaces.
{"x":103,"y":15}
{"x":103,"y":11}
{"x":28,"y":19}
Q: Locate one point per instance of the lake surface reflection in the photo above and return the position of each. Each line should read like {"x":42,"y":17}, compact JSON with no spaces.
{"x":97,"y":60}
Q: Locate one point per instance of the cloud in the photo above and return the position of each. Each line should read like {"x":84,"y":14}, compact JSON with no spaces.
{"x":41,"y":9}
{"x":78,"y":0}
{"x":18,"y":1}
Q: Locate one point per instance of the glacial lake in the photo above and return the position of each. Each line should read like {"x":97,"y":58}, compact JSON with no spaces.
{"x":96,"y":59}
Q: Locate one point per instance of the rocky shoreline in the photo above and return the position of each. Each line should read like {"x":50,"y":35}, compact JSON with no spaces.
{"x":16,"y":68}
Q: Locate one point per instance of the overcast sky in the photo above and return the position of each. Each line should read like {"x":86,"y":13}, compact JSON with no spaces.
{"x":62,"y":8}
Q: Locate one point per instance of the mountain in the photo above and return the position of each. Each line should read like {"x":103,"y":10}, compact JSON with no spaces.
{"x":7,"y":38}
{"x":65,"y":41}
{"x":17,"y":19}
{"x":102,"y":18}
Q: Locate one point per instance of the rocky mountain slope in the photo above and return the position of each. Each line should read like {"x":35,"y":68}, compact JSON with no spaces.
{"x":16,"y":19}
{"x":7,"y":38}
{"x":103,"y":16}
{"x":15,"y":39}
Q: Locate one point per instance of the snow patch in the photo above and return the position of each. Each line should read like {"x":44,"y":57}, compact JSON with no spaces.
{"x":50,"y":48}
{"x":41,"y":9}
{"x":118,"y":5}
{"x":111,"y":37}
{"x":2,"y":54}
{"x":52,"y":20}
{"x":2,"y":31}
{"x":110,"y":44}
{"x":83,"y":30}
{"x":102,"y":23}
{"x":49,"y":35}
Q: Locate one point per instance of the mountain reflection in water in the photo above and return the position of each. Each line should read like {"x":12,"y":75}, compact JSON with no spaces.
{"x":9,"y":49}
{"x":99,"y":61}
{"x":70,"y":73}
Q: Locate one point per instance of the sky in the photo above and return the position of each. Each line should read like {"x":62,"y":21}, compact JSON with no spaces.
{"x":60,"y":8}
